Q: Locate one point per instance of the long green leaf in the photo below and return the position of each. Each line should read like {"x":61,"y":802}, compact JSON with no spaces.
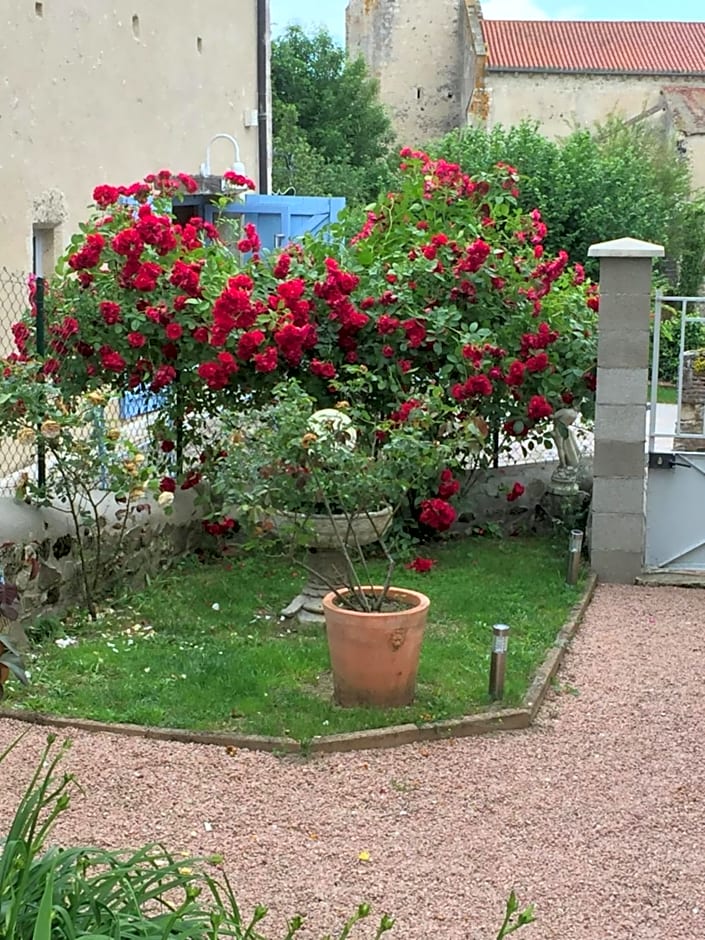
{"x":42,"y":925}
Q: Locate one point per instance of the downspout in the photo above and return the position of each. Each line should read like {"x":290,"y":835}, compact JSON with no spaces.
{"x":263,"y":95}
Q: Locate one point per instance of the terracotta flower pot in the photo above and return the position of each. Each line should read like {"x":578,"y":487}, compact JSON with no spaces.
{"x":375,"y":656}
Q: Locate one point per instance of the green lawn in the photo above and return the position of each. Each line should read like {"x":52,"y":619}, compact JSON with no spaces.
{"x":204,"y":647}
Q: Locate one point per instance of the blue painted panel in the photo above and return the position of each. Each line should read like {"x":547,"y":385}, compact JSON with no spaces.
{"x":133,"y":404}
{"x":282,"y":219}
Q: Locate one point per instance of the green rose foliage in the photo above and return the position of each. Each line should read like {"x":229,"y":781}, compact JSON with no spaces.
{"x":443,"y":284}
{"x":292,"y":456}
{"x":94,"y":474}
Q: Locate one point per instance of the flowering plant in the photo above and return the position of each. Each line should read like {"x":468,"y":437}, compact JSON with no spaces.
{"x":289,"y":463}
{"x":444,"y":284}
{"x":95,"y":474}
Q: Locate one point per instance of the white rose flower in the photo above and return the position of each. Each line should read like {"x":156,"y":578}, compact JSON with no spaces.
{"x":331,"y":423}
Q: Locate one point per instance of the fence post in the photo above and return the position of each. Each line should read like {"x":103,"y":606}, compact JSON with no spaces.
{"x":41,"y":350}
{"x":179,"y":420}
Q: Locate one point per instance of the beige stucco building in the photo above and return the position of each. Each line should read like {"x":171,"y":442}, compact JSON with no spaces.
{"x":441,"y":66}
{"x":107,"y":92}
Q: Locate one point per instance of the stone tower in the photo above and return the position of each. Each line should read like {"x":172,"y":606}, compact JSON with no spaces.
{"x":417,"y":49}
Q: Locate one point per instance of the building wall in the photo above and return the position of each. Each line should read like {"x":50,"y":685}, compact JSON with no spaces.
{"x":416,"y":51}
{"x":562,"y":102}
{"x":108,"y":92}
{"x":695,"y":148}
{"x":429,"y":59}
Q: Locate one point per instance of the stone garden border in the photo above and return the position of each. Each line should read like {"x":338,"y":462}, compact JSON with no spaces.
{"x":508,"y":719}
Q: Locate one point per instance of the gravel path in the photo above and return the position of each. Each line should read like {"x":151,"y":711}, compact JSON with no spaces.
{"x":597,"y":814}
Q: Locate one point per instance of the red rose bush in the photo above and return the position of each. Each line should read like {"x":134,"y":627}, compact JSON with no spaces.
{"x":442,"y":285}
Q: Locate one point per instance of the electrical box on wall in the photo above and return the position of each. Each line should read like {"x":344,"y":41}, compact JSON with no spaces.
{"x":251,"y":118}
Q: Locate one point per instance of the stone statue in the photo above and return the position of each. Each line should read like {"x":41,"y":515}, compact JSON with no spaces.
{"x":564,"y":480}
{"x":566,"y":445}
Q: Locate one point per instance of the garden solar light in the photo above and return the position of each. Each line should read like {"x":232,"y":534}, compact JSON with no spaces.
{"x":498,"y":659}
{"x":574,"y":552}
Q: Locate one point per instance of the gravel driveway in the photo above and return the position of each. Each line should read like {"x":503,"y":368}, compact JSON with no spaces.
{"x":597,"y":814}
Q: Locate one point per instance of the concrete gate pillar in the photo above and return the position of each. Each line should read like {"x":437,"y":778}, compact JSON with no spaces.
{"x":619,"y":474}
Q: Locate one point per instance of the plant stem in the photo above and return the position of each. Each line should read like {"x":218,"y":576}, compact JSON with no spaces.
{"x":71,"y":497}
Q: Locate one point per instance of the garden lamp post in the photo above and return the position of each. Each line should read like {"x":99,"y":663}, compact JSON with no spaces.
{"x":498,"y":659}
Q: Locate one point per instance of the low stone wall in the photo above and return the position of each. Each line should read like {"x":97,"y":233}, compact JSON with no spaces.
{"x":693,"y":401}
{"x":486,"y":498}
{"x":39,"y":552}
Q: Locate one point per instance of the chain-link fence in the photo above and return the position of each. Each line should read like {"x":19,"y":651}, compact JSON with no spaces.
{"x":17,"y":295}
{"x":133,"y":413}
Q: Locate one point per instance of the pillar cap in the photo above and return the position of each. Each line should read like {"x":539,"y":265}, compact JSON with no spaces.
{"x":626,"y":248}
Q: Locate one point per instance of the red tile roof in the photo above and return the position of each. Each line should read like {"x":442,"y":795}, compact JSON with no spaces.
{"x":595,"y":46}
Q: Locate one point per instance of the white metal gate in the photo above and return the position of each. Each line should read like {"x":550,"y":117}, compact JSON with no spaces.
{"x":675,"y":488}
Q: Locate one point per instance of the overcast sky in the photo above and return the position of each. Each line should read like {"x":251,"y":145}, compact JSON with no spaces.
{"x":331,"y":13}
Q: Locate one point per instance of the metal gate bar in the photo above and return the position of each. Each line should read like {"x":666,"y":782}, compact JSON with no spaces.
{"x":685,"y":319}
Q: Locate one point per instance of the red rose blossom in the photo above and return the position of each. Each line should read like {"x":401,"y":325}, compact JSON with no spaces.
{"x":539,"y":408}
{"x":162,"y":377}
{"x":537,"y":363}
{"x":437,"y":514}
{"x":105,"y":196}
{"x":147,"y":276}
{"x":266,"y":361}
{"x":193,"y":478}
{"x":325,"y":370}
{"x":415,"y":332}
{"x":421,"y":565}
{"x":515,"y":373}
{"x":112,"y":360}
{"x":448,"y":486}
{"x":516,"y":491}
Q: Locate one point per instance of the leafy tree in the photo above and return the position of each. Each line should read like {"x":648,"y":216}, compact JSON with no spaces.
{"x":690,"y":282}
{"x":331,"y":134}
{"x":594,"y":185}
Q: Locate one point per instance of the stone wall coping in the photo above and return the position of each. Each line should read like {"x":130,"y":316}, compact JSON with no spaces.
{"x":626,"y":248}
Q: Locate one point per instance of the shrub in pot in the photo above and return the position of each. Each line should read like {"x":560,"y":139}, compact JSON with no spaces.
{"x":289,"y":467}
